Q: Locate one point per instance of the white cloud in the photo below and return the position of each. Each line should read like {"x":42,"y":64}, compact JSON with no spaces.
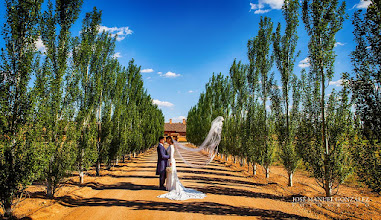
{"x":40,"y":45}
{"x":162,"y":103}
{"x":265,"y":6}
{"x":179,"y":119}
{"x":146,"y":70}
{"x":304,"y":63}
{"x":117,"y":55}
{"x":260,"y":11}
{"x":339,"y":44}
{"x":122,"y":32}
{"x":190,"y":91}
{"x":169,"y":75}
{"x":148,"y":77}
{"x":336,"y":83}
{"x":368,"y":47}
{"x":363,"y":4}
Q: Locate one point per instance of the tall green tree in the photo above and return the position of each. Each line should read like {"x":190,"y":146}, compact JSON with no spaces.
{"x":261,"y":60}
{"x":104,"y":67}
{"x":238,"y":76}
{"x":58,"y":19}
{"x":252,"y":121}
{"x":285,"y":55}
{"x":365,"y":87}
{"x":84,"y":51}
{"x":323,"y":19}
{"x":367,"y":64}
{"x":18,"y":155}
{"x":215,"y":101}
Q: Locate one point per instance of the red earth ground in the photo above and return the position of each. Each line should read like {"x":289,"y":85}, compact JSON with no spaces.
{"x":129,"y":191}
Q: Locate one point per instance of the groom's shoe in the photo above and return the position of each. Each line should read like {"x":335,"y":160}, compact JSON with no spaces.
{"x":162,"y":187}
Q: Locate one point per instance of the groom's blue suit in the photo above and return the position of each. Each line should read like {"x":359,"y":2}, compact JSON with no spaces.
{"x":162,"y":160}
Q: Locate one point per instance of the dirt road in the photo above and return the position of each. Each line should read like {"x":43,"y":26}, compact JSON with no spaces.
{"x":130,"y":191}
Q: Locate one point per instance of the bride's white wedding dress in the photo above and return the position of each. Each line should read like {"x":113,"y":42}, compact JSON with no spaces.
{"x":176,"y":190}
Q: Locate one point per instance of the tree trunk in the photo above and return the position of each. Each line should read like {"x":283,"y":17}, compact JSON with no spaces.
{"x":98,"y":167}
{"x":81,"y":176}
{"x":134,"y":154}
{"x":267,"y":169}
{"x":117,"y":161}
{"x":234,"y":159}
{"x":109,"y":164}
{"x":254,"y":169}
{"x":124,"y":158}
{"x":248,"y":165}
{"x":81,"y":167}
{"x":290,"y":178}
{"x":49,"y":188}
{"x":8,"y":207}
{"x":328,"y":188}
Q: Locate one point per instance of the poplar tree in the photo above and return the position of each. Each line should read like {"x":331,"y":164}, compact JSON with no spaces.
{"x":57,"y":46}
{"x":285,"y":55}
{"x":261,"y":60}
{"x":18,"y":153}
{"x":83,"y":53}
{"x":253,"y":122}
{"x":238,"y":76}
{"x":365,"y":87}
{"x":103,"y":67}
{"x":323,"y":19}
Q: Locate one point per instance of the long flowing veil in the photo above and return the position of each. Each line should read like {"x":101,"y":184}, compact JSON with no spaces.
{"x":203,"y":154}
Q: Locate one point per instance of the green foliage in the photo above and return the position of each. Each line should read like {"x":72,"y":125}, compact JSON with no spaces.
{"x":261,"y":47}
{"x":366,"y":60}
{"x":82,"y":108}
{"x":329,"y":159}
{"x":18,"y":151}
{"x":367,"y":155}
{"x":365,"y":87}
{"x":52,"y":115}
{"x":284,"y":52}
{"x":212,"y":103}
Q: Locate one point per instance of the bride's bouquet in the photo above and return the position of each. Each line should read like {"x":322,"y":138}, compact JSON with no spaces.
{"x":168,"y":169}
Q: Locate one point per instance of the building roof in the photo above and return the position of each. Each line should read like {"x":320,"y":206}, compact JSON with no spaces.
{"x":176,"y":127}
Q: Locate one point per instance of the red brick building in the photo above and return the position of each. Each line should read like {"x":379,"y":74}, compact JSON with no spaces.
{"x":177,"y":130}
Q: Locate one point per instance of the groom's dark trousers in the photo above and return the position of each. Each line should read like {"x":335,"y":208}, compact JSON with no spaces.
{"x":162,"y":161}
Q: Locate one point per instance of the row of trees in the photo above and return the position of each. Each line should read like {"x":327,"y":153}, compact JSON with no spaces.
{"x":70,"y":107}
{"x":297,"y":120}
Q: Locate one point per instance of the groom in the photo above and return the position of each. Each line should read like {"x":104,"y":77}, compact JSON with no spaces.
{"x":162,"y":160}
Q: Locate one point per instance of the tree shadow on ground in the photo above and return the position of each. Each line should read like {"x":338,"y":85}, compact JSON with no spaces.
{"x":227,"y":191}
{"x":206,"y":173}
{"x":222,"y":180}
{"x":217,"y":190}
{"x":121,"y":185}
{"x":206,"y":208}
{"x":124,"y":176}
{"x":209,"y":168}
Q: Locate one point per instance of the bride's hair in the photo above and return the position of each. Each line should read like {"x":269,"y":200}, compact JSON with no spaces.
{"x":170,"y":138}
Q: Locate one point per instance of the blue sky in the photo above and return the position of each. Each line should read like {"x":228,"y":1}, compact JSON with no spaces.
{"x":179,"y":44}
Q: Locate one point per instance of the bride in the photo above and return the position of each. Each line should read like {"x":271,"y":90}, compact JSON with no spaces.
{"x":176,"y":190}
{"x":194,"y":157}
